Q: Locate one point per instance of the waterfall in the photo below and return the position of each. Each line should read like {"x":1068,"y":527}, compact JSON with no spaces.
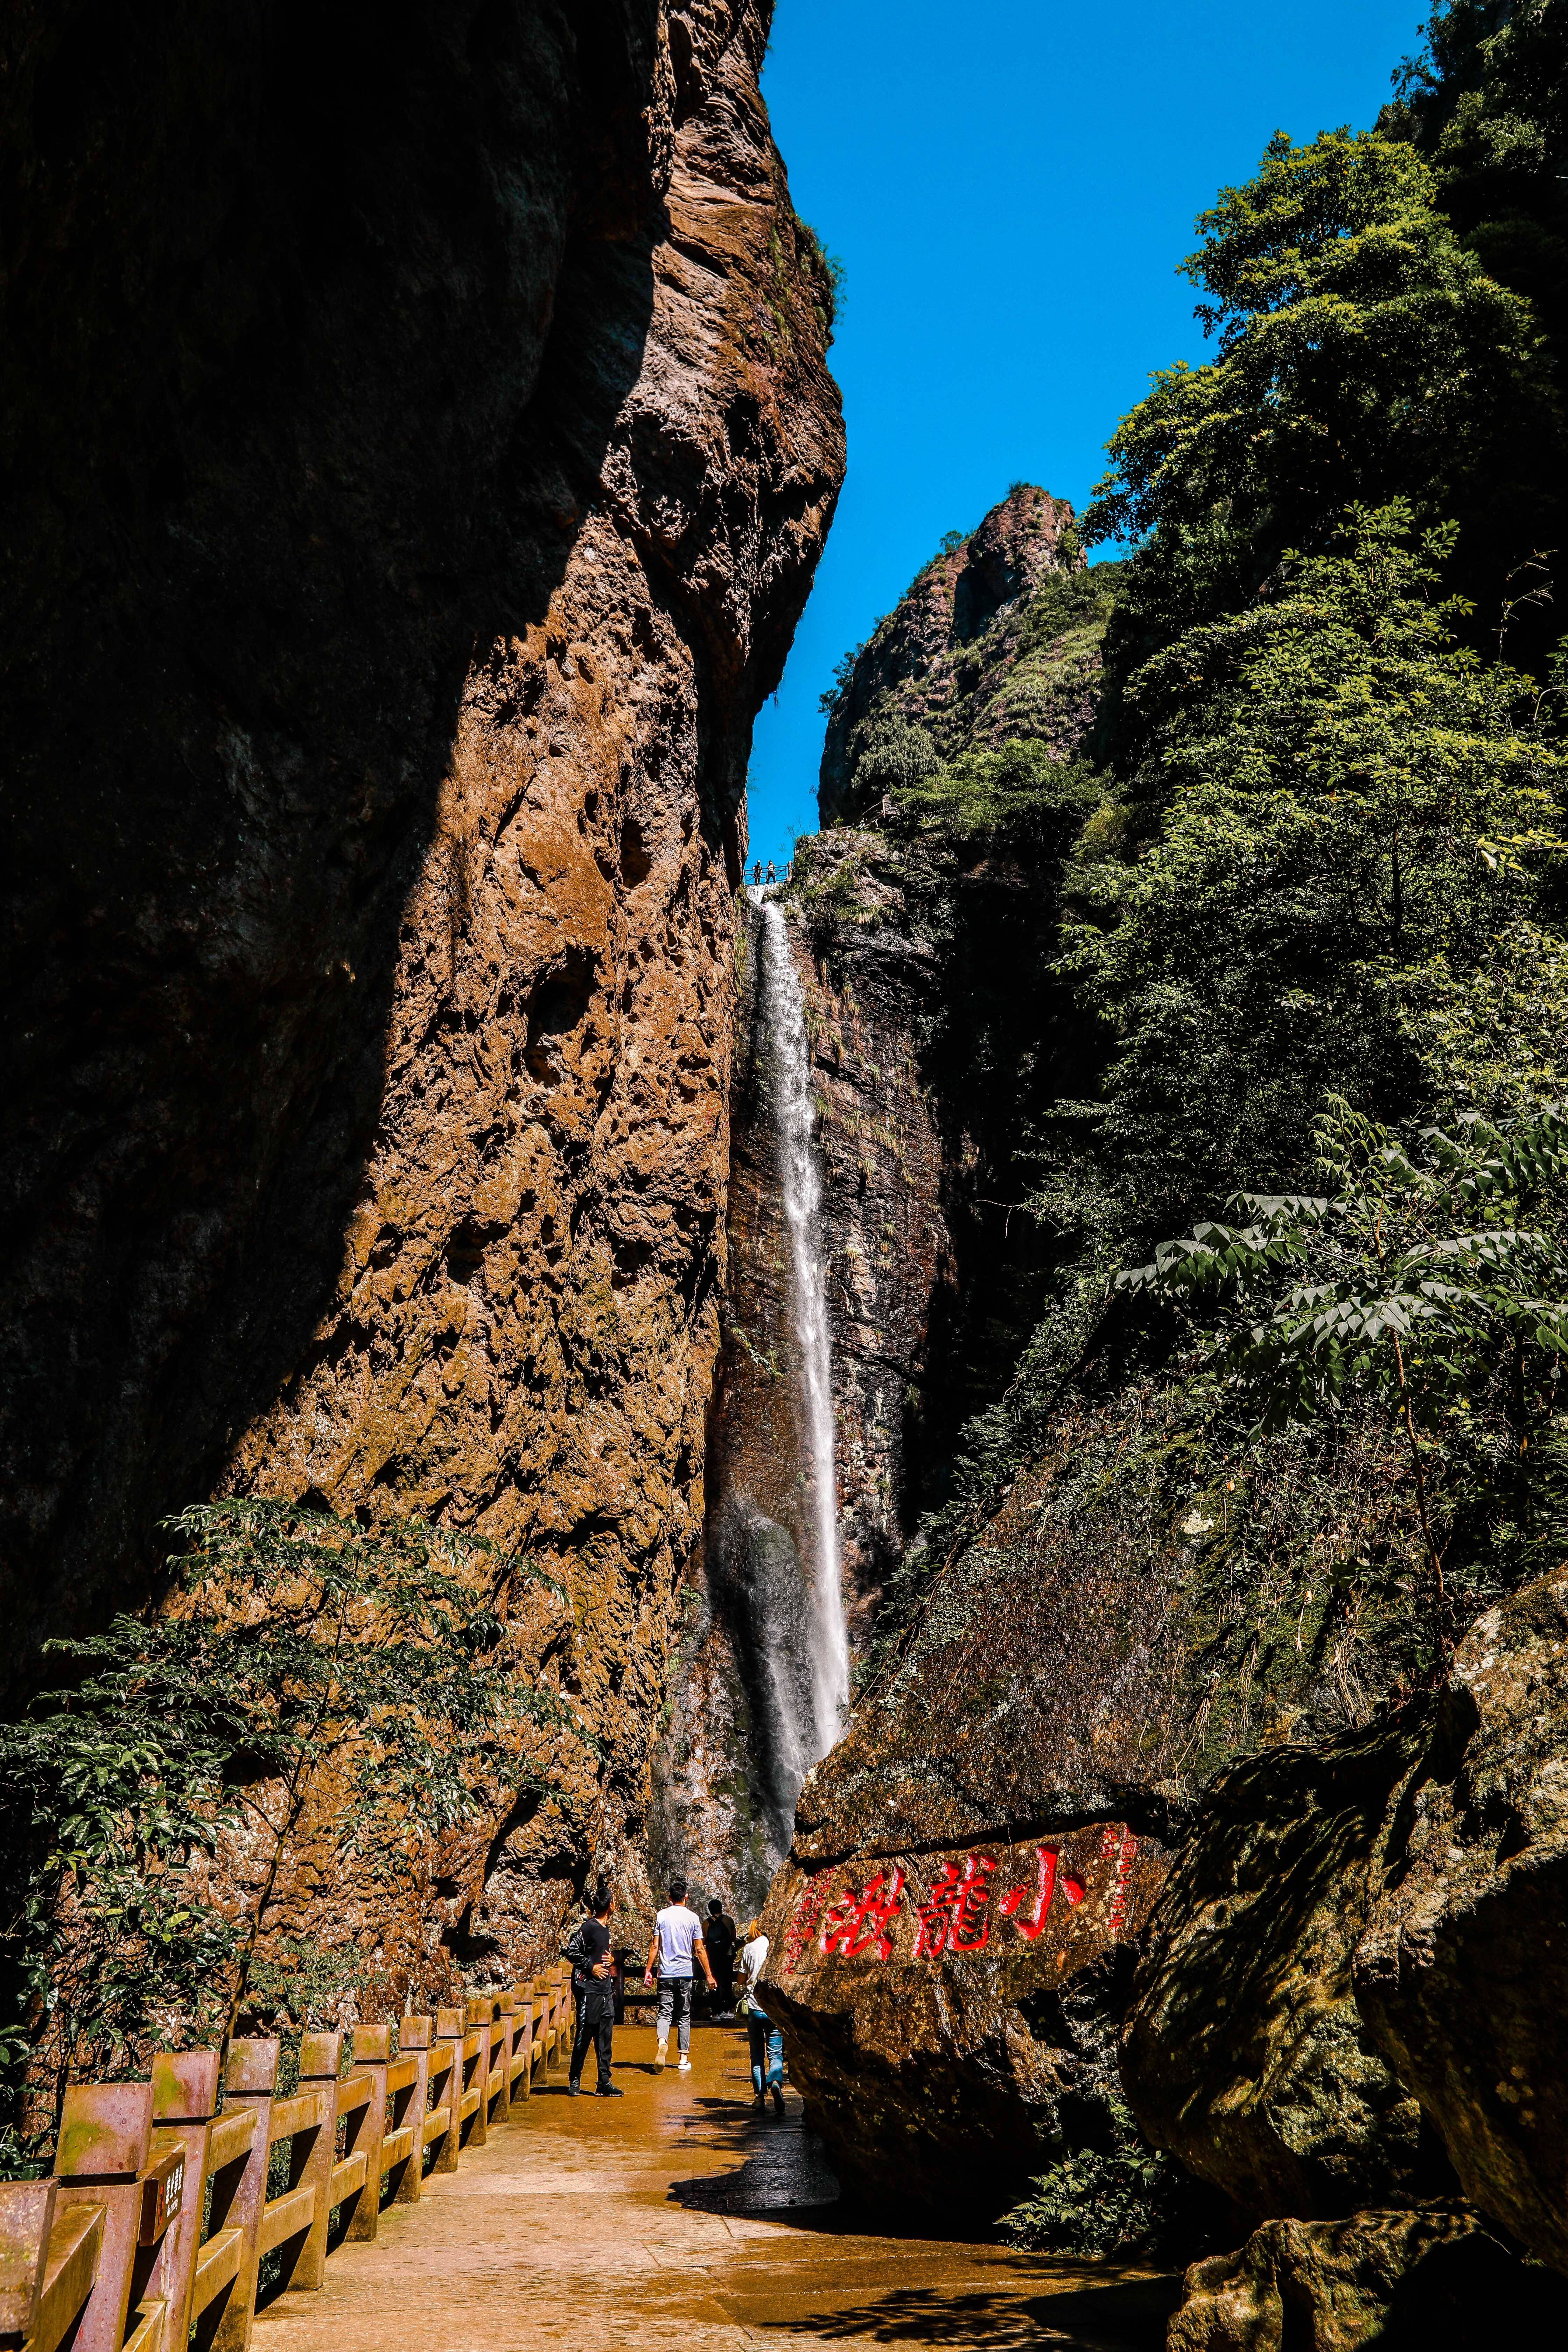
{"x":800,"y":1187}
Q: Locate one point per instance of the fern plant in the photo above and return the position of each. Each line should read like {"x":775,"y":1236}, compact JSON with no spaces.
{"x":1412,"y":1278}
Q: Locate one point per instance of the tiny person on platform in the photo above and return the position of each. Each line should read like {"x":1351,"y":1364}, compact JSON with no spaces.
{"x":675,"y":1942}
{"x":595,"y":1999}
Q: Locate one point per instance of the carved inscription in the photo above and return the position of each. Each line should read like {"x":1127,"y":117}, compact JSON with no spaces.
{"x":958,"y":1908}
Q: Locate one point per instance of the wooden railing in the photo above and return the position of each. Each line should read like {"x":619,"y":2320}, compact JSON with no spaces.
{"x":124,"y":2251}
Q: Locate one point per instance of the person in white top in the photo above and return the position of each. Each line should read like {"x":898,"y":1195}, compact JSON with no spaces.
{"x":766,"y":2041}
{"x":676,"y":1944}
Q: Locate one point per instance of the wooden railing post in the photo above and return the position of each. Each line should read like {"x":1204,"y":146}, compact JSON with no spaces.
{"x":320,"y":2062}
{"x":501,"y":2032}
{"x":517,"y":2064}
{"x":184,"y":2104}
{"x":476,"y":2049}
{"x":402,"y":2150}
{"x":450,"y":2041}
{"x":26,"y":2217}
{"x":106,"y":2131}
{"x":414,"y":2041}
{"x":249,"y":2085}
{"x":530,"y":2029}
{"x":372,"y":2050}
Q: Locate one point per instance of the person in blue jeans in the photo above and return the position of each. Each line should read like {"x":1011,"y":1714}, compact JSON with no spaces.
{"x":678,"y":1947}
{"x":766,"y":2041}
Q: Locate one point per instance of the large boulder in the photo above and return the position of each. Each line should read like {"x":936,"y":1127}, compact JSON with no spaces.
{"x":1372,"y":1924}
{"x":1246,"y":2056}
{"x":950,"y":2016}
{"x":1462,"y":1974}
{"x":1428,"y":2278}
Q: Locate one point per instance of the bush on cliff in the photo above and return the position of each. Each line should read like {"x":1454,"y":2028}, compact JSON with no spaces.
{"x":310,"y":1685}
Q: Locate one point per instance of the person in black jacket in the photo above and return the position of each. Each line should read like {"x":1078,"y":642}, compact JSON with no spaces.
{"x":594,"y":1984}
{"x":719,"y":1934}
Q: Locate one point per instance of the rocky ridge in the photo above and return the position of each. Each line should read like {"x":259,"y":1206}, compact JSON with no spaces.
{"x":965,"y":659}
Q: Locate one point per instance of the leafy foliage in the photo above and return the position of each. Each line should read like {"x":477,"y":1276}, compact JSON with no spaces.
{"x":1095,"y":2202}
{"x":1410,"y":1281}
{"x":1018,"y":795}
{"x":1353,"y":811}
{"x":827,"y":274}
{"x":308,"y":1681}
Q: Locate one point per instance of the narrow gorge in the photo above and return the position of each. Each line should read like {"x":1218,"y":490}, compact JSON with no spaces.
{"x":992,"y":1402}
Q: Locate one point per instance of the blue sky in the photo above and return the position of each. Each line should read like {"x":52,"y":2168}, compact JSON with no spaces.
{"x":1010,"y":184}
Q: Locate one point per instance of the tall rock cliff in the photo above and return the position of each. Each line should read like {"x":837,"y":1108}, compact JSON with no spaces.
{"x":416,"y":449}
{"x":970,"y":654}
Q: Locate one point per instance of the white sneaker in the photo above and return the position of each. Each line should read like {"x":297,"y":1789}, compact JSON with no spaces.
{"x":658,"y":2056}
{"x":684,"y":2067}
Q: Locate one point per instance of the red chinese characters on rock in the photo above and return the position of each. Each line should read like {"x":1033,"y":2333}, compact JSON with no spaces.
{"x":1044,"y":1888}
{"x":858,"y":1923}
{"x":801,"y":1928}
{"x":1124,"y":1846}
{"x":953,"y":1916}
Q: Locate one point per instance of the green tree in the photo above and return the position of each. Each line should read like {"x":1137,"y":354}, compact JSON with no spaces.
{"x":306,"y":1681}
{"x":1362,"y":353}
{"x":1485,"y":102}
{"x":1016,"y":795}
{"x":1354,"y":818}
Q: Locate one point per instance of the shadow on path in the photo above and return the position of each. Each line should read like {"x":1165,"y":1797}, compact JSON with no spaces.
{"x":1127,"y":2313}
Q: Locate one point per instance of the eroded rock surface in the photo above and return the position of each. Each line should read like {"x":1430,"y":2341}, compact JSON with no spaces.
{"x":952,"y":2006}
{"x":1246,"y":2056}
{"x":1462,"y":1973}
{"x":1024,"y":1722}
{"x":417,"y":451}
{"x":1413,"y":2279}
{"x":1369,"y":1929}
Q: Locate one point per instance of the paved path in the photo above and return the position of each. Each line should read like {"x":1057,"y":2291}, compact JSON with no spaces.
{"x":676,"y":2216}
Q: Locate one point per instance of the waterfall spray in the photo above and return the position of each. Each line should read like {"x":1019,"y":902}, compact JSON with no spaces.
{"x":800,"y":1185}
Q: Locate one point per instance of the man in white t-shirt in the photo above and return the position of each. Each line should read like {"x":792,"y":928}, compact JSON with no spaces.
{"x":676,"y":1944}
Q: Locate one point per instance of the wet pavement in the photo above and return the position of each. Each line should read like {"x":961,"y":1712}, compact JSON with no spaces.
{"x":678,"y":2215}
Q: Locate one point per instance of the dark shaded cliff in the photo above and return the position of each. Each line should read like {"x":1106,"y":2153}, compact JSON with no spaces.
{"x":417,"y":448}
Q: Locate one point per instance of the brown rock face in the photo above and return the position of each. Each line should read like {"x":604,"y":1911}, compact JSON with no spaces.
{"x":418,"y":453}
{"x":1377,"y":1920}
{"x":1462,"y":1974}
{"x":1412,"y":2279}
{"x":1257,"y":2068}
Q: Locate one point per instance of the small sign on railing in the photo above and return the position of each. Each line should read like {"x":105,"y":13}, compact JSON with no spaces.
{"x":163,"y":2187}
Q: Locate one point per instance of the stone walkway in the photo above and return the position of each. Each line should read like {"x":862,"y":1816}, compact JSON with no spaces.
{"x":676,"y":2216}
